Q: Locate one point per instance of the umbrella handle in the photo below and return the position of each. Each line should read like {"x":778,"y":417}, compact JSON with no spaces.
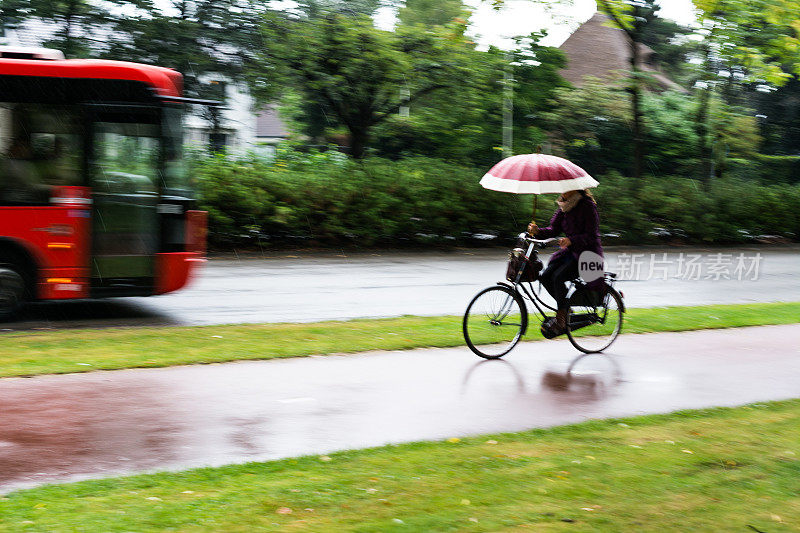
{"x":535,"y":205}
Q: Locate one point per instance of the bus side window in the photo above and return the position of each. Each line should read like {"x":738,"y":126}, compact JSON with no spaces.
{"x":40,"y":148}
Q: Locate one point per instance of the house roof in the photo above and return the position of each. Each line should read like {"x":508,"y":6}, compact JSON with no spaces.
{"x":269,"y":124}
{"x":599,"y":50}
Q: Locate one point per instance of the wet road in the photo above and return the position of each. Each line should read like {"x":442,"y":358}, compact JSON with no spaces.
{"x":57,"y":428}
{"x":314,"y":287}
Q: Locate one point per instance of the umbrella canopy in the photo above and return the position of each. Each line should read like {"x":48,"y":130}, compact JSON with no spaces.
{"x":537,"y":174}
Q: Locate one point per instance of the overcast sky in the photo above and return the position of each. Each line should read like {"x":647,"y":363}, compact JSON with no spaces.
{"x":521,"y":17}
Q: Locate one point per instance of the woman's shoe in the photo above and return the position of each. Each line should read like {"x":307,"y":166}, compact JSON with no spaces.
{"x":550,"y":328}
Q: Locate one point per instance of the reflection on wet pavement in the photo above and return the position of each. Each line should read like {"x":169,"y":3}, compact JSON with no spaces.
{"x":57,"y":428}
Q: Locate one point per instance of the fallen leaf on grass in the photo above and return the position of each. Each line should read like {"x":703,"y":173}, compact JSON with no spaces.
{"x":325,"y":458}
{"x":465,"y":502}
{"x":491,"y":442}
{"x":687,"y":451}
{"x":283,"y":510}
{"x":453,"y":439}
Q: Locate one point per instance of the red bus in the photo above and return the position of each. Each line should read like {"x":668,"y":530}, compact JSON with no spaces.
{"x":94,"y":198}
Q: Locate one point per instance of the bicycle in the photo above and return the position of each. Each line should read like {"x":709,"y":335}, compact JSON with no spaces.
{"x":497,"y":317}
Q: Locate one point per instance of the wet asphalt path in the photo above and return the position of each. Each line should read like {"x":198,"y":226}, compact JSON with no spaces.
{"x":314,"y":286}
{"x":59,"y":428}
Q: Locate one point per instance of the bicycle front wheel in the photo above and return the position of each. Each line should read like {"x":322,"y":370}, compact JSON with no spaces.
{"x":593,"y":329}
{"x":494,"y":322}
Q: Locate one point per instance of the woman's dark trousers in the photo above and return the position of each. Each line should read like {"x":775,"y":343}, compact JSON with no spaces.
{"x":555,"y":277}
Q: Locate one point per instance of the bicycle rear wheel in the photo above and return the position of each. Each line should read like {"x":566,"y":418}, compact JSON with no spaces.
{"x":593,"y":329}
{"x":494,"y":322}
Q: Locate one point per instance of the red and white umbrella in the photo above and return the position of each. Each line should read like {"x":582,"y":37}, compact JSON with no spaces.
{"x":537,"y":174}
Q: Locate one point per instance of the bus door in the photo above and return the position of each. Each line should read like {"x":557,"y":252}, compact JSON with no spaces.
{"x":124,"y":166}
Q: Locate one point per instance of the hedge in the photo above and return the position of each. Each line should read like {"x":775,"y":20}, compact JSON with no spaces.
{"x":325,"y":199}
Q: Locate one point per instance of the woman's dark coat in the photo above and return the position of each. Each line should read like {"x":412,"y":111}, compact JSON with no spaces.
{"x":581,"y":225}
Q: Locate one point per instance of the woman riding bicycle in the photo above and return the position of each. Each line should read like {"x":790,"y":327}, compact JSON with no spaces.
{"x":577,"y":218}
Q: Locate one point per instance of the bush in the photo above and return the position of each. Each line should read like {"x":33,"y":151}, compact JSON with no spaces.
{"x":767,"y":168}
{"x":327,"y":199}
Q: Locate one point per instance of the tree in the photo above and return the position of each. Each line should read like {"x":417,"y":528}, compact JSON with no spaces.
{"x":632,"y":16}
{"x":465,"y":122}
{"x":431,"y":13}
{"x":198,"y":38}
{"x":361,"y":75}
{"x":80,"y":26}
{"x":353,"y":8}
{"x":12,"y":12}
{"x":672,"y":46}
{"x":744,"y":42}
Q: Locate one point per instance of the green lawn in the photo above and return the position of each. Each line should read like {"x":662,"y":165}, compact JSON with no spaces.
{"x":30,"y":353}
{"x":712,"y":470}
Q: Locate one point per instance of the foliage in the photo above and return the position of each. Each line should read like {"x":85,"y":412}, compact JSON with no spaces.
{"x":76,"y":23}
{"x":590,"y":125}
{"x":354,"y":8}
{"x":631,"y":16}
{"x":751,"y":38}
{"x":431,"y":13}
{"x":673,"y":49}
{"x":201,"y":39}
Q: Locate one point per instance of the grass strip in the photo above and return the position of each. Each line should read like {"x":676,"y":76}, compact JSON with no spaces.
{"x":709,"y":470}
{"x":55,"y":352}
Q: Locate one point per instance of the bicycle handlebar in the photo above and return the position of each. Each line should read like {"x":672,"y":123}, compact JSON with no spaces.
{"x":543,"y":242}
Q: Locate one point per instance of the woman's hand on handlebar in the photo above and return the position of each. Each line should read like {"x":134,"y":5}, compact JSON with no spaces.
{"x":533,"y":229}
{"x":564,"y":242}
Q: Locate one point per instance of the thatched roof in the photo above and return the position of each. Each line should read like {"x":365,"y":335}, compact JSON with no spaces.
{"x":599,"y":50}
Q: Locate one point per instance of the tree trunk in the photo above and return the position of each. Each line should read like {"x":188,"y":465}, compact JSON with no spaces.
{"x":701,"y":127}
{"x":701,"y":123}
{"x":68,"y":52}
{"x":358,"y":142}
{"x":636,"y":105}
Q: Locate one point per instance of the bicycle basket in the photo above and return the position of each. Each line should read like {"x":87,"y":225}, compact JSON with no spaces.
{"x":517,"y":262}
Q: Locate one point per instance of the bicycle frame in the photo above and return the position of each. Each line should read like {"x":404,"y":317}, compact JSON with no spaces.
{"x":530,"y":295}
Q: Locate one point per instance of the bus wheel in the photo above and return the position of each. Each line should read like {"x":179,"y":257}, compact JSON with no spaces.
{"x":12,"y":292}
